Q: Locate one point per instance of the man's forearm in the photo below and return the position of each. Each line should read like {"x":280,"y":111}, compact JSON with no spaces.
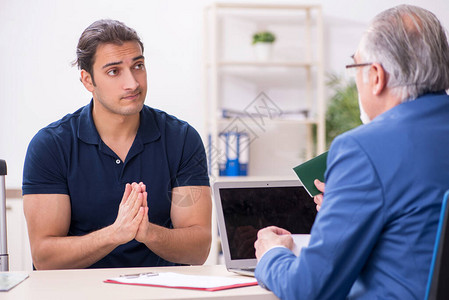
{"x":53,"y":249}
{"x":189,"y":245}
{"x":71,"y":252}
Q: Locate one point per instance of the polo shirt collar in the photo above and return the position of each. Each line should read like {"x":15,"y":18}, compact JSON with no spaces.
{"x":148,"y":129}
{"x":87,"y":132}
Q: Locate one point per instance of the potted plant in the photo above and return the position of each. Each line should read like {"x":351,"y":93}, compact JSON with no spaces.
{"x":342,"y":112}
{"x":263,"y":44}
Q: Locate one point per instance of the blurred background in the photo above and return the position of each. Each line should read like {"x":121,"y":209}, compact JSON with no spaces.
{"x":38,"y":39}
{"x":203,"y":68}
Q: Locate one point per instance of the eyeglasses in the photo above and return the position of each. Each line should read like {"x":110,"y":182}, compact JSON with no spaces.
{"x":357,"y":65}
{"x":350,"y":69}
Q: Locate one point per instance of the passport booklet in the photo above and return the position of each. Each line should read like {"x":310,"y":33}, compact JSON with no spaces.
{"x":311,"y":170}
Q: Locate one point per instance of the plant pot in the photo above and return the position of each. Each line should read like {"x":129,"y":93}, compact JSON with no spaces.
{"x":263,"y":51}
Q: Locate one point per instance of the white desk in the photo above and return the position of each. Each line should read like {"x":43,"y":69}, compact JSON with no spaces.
{"x":88,"y":284}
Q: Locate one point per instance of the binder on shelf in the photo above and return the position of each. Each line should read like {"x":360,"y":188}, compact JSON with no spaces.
{"x":232,"y":153}
{"x":243,"y":153}
{"x":222,"y":157}
{"x":209,"y":154}
{"x":236,"y":149}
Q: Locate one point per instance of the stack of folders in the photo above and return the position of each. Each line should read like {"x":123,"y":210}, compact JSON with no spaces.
{"x":183,"y":281}
{"x":235,"y":146}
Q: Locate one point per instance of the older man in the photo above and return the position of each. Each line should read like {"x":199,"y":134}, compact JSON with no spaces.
{"x":374,"y":234}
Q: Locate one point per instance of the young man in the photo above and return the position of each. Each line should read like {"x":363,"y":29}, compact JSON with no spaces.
{"x":117,"y":183}
{"x":375,"y":231}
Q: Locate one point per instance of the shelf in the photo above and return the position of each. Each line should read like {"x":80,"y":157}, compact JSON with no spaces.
{"x":271,"y":64}
{"x":274,"y":76}
{"x":263,"y":14}
{"x":264,"y":6}
{"x":276,"y":105}
{"x":276,"y":121}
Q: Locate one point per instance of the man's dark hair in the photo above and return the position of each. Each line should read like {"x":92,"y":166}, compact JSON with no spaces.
{"x":101,"y":32}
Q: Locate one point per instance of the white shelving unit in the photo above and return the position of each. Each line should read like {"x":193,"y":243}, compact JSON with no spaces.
{"x":265,"y":93}
{"x":292,"y":80}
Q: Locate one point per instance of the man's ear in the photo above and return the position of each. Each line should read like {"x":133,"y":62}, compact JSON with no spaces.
{"x":87,"y":80}
{"x":378,"y":79}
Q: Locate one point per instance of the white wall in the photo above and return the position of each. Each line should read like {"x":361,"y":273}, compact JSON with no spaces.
{"x":38,"y":41}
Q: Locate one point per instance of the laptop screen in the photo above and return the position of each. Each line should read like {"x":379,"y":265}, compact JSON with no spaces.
{"x":247,"y":210}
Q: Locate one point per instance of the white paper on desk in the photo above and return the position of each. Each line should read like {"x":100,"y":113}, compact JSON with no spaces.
{"x":300,"y":241}
{"x":8,"y":280}
{"x":169,"y":279}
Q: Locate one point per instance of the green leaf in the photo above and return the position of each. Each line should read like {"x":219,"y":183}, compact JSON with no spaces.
{"x":343,"y":111}
{"x":263,"y":37}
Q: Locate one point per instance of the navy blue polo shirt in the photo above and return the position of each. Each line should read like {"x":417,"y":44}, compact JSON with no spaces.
{"x":69,"y":157}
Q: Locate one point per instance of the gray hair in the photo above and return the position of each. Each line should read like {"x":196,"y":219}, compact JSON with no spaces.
{"x":411,"y":45}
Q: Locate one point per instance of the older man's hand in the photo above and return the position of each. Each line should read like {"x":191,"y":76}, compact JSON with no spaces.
{"x":318,"y":199}
{"x":270,"y":237}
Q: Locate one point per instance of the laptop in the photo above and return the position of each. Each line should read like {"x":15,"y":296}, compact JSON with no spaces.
{"x":245,"y":207}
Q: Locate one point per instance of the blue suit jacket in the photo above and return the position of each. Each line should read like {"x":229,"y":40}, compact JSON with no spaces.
{"x":374,"y":235}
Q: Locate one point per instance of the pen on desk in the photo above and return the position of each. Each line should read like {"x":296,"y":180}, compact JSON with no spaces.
{"x":139,"y":274}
